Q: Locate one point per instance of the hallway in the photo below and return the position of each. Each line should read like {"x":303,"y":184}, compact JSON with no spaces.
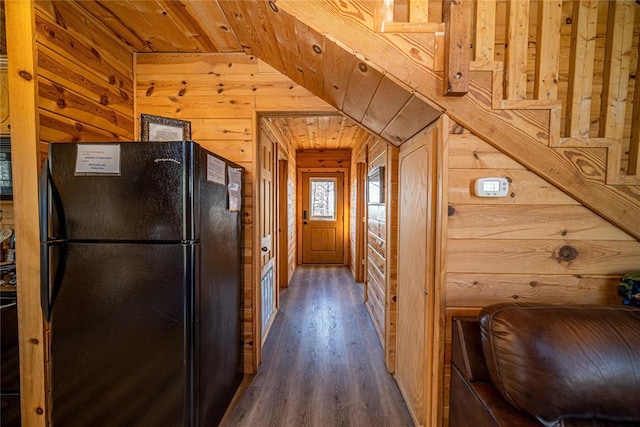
{"x":322,"y":361}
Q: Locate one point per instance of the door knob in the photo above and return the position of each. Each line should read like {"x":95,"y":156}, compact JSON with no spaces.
{"x":265,"y":249}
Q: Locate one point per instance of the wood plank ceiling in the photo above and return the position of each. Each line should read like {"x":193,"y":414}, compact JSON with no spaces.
{"x":366,"y":97}
{"x":323,"y":132}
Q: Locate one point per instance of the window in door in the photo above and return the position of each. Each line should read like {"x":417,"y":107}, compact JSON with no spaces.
{"x":323,"y":199}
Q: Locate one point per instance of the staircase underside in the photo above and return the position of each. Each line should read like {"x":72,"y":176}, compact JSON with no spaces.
{"x":342,"y":60}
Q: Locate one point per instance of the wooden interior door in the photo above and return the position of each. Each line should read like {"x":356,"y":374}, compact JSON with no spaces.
{"x":268,"y":290}
{"x":283,"y":223}
{"x":322,"y":218}
{"x":415,"y":274}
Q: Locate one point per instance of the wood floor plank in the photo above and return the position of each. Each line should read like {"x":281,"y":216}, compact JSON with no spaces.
{"x":322,"y":362}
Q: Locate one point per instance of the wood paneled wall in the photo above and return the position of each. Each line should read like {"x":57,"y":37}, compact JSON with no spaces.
{"x":329,"y":159}
{"x":85,"y":80}
{"x":222,"y":95}
{"x":382,"y":249}
{"x":291,"y":210}
{"x":535,"y":245}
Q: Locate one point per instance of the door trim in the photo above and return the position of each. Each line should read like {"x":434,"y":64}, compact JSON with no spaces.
{"x":361,"y":218}
{"x":282,"y":214}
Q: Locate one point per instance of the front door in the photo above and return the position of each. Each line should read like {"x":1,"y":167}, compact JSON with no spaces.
{"x":322,"y":218}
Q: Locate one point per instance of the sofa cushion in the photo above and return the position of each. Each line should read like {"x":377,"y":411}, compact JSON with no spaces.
{"x":557,"y":362}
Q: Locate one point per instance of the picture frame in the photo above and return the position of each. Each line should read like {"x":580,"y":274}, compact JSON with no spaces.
{"x":375,"y":186}
{"x":156,"y":128}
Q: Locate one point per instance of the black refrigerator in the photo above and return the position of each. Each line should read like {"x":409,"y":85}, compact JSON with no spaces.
{"x":141,"y":283}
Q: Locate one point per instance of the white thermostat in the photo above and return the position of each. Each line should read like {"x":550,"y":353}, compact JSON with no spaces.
{"x":492,"y":187}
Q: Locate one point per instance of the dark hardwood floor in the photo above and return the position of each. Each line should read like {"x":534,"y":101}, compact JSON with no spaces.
{"x":322,"y":362}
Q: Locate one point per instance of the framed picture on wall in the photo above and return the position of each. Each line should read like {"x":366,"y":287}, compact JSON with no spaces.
{"x":155,"y":128}
{"x":375,"y":186}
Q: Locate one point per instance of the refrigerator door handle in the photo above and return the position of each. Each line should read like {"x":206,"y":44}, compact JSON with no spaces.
{"x":49,"y":196}
{"x":45,"y":301}
{"x":48,"y":294}
{"x":43,"y":208}
{"x":49,"y":291}
{"x":43,"y":200}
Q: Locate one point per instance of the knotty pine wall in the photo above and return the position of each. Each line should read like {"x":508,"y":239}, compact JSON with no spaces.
{"x":222,"y":95}
{"x":292,"y":187}
{"x":535,"y":245}
{"x":85,"y":79}
{"x":324,"y":159}
{"x":291,"y":209}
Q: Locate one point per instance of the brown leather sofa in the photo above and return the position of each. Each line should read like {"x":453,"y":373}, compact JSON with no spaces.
{"x":521,"y":365}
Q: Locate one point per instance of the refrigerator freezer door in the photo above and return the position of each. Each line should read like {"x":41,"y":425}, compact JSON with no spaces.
{"x":150,"y":199}
{"x":120,"y":337}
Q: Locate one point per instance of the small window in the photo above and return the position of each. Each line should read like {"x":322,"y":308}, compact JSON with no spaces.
{"x":323,"y":199}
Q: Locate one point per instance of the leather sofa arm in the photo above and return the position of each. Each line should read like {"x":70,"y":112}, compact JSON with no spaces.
{"x":565,"y":361}
{"x":473,"y":400}
{"x":466,"y":349}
